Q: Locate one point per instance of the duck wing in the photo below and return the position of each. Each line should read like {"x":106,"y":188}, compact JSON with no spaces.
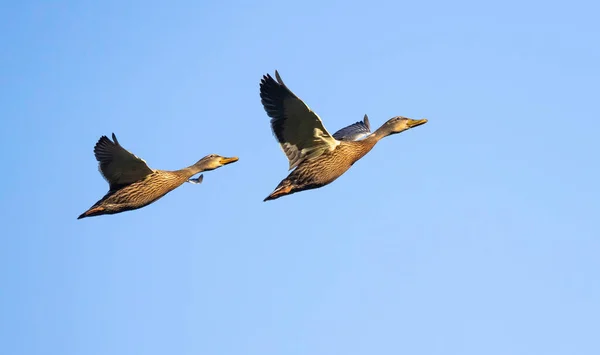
{"x":355,"y":131}
{"x":298,"y":129}
{"x":117,"y":165}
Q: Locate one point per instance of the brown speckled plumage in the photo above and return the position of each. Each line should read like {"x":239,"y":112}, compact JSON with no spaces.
{"x":142,"y":193}
{"x":323,"y":170}
{"x":317,"y":157}
{"x":133,"y":185}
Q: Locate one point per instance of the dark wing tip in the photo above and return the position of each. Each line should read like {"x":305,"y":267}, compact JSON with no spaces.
{"x":367,"y":123}
{"x":272,"y":95}
{"x":103,"y":147}
{"x":267,"y":79}
{"x":279,"y":78}
{"x":101,"y":142}
{"x":105,"y":141}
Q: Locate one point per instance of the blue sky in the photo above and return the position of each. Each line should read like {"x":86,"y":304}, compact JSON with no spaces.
{"x":474,"y":234}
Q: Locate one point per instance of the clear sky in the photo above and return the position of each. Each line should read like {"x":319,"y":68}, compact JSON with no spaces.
{"x":476,"y":233}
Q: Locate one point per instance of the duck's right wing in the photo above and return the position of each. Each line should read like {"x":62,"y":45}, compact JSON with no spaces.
{"x":355,"y":131}
{"x":299,"y":130}
{"x":117,"y":165}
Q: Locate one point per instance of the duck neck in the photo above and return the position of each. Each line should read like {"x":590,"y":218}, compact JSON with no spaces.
{"x":192,"y":170}
{"x":380,"y":133}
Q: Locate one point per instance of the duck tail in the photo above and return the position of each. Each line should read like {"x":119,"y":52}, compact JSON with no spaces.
{"x":284,"y":188}
{"x":92,"y":212}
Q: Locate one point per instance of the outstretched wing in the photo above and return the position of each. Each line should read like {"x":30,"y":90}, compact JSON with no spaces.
{"x":118,"y":166}
{"x":355,"y":131}
{"x":297,"y":128}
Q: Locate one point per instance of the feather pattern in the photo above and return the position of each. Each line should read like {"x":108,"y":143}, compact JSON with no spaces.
{"x":318,"y":158}
{"x":117,"y":165}
{"x":133,"y":184}
{"x":144,"y":192}
{"x":355,"y":131}
{"x":298,"y":129}
{"x":323,"y":170}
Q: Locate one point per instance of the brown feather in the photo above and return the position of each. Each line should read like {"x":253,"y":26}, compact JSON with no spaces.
{"x":325,"y":169}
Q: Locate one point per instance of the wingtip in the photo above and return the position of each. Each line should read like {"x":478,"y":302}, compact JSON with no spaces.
{"x":366,"y":121}
{"x":278,"y":77}
{"x":266,"y":78}
{"x":114,"y":137}
{"x":101,"y":141}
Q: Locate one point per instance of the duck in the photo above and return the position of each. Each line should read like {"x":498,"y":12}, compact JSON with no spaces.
{"x":133,"y":185}
{"x":316,"y":157}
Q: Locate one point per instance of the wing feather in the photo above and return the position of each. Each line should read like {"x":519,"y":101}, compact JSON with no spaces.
{"x":117,"y":165}
{"x":298,"y":129}
{"x":355,"y":131}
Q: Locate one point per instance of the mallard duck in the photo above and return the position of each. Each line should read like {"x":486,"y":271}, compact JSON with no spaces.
{"x":133,"y":185}
{"x":317,"y":157}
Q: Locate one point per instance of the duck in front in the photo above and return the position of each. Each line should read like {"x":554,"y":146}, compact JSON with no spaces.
{"x":317,"y":157}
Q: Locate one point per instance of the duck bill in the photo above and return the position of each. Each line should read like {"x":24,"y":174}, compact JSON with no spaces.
{"x":226,"y":161}
{"x":415,"y":123}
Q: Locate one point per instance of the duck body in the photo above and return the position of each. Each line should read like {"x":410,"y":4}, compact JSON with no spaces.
{"x":133,"y":185}
{"x":323,"y":170}
{"x":316,"y":157}
{"x":138,"y":194}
